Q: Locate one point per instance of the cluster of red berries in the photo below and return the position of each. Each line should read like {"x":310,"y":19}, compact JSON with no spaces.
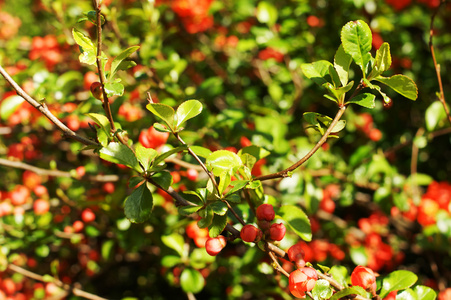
{"x":265,"y":215}
{"x":194,"y":14}
{"x":365,"y":123}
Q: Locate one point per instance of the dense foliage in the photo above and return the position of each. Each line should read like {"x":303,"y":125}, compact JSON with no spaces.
{"x":182,"y":165}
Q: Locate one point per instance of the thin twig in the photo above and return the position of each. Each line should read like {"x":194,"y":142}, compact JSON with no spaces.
{"x":276,"y":264}
{"x":436,"y":65}
{"x":75,"y":291}
{"x":285,"y":173}
{"x":45,"y":111}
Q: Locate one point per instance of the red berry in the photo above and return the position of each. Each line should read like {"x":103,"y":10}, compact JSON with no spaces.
{"x":31,"y":179}
{"x":80,"y":171}
{"x":19,"y":195}
{"x":328,"y":205}
{"x":41,"y":206}
{"x":364,"y":277}
{"x":78,"y":226}
{"x":265,"y":212}
{"x":192,"y":174}
{"x":108,"y":187}
{"x":301,"y":281}
{"x":215,"y":245}
{"x":375,"y":134}
{"x":296,"y":254}
{"x":151,"y":138}
{"x":96,"y":90}
{"x":88,"y":215}
{"x":277,"y":232}
{"x":250,"y":233}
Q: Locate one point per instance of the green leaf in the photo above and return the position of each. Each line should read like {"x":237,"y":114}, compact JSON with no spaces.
{"x":401,"y":84}
{"x":316,"y":71}
{"x":187,"y":110}
{"x":321,"y":122}
{"x":200,"y":151}
{"x":114,"y":88}
{"x":217,"y":225}
{"x":356,"y":39}
{"x":145,"y":155}
{"x":120,"y":154}
{"x":190,"y":209}
{"x":322,"y":289}
{"x":138,"y":206}
{"x":358,"y":255}
{"x":169,"y":261}
{"x":192,"y":281}
{"x":435,"y":114}
{"x":199,"y":258}
{"x":165,"y":155}
{"x":342,"y":61}
{"x":237,"y":185}
{"x":219,"y":208}
{"x":334,"y":76}
{"x":338,"y":92}
{"x":207,"y":217}
{"x":339,"y":273}
{"x":222,"y":161}
{"x":118,"y":59}
{"x":424,"y":292}
{"x":297,"y":220}
{"x":396,"y":281}
{"x":163,"y":179}
{"x":92,"y":16}
{"x":348,"y":291}
{"x":104,"y":132}
{"x":224,"y":181}
{"x":174,"y":241}
{"x":82,"y":40}
{"x":164,"y":112}
{"x":107,"y":249}
{"x":9,"y":105}
{"x":267,"y":13}
{"x":255,"y":151}
{"x":365,"y":100}
{"x":407,"y":294}
{"x":383,"y":59}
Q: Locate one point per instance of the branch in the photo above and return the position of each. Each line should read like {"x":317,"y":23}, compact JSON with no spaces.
{"x":323,"y":139}
{"x":66,"y":287}
{"x":436,"y":65}
{"x":45,"y":111}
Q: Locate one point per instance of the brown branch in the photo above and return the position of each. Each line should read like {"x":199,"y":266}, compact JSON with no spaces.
{"x":75,"y":291}
{"x":276,"y":264}
{"x":285,"y":173}
{"x":55,"y":173}
{"x":436,"y":65}
{"x":45,"y":111}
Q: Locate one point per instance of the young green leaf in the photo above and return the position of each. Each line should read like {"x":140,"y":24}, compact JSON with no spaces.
{"x":222,"y":161}
{"x":187,"y":110}
{"x":145,"y":155}
{"x":219,"y":208}
{"x":342,"y":62}
{"x":165,"y":155}
{"x":138,"y":206}
{"x":207,"y":215}
{"x":365,"y":100}
{"x":88,"y":55}
{"x":120,"y":154}
{"x":397,"y":280}
{"x":383,"y":60}
{"x":114,"y":89}
{"x":435,"y":114}
{"x":316,"y":71}
{"x":164,"y":112}
{"x":297,"y":220}
{"x":322,"y":290}
{"x":237,"y":185}
{"x":356,"y":39}
{"x":174,"y":241}
{"x":120,"y":58}
{"x":424,"y":292}
{"x":401,"y":84}
{"x":104,"y":131}
{"x":191,"y":281}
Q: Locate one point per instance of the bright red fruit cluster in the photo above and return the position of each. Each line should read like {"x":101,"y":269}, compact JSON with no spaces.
{"x":199,"y":235}
{"x":152,"y":138}
{"x":47,"y":49}
{"x":301,"y":281}
{"x":269,"y":53}
{"x":194,"y":14}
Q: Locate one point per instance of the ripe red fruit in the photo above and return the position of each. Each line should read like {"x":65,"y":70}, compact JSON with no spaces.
{"x":80,"y":171}
{"x":192,"y":174}
{"x":365,"y":278}
{"x":40,"y":191}
{"x":8,"y":286}
{"x":96,"y":90}
{"x":296,"y":254}
{"x":89,"y":78}
{"x":31,"y":179}
{"x":151,"y":138}
{"x":19,"y":195}
{"x":265,"y":212}
{"x":108,"y":187}
{"x":250,"y":233}
{"x":375,"y":134}
{"x":301,"y":281}
{"x":328,"y":205}
{"x":215,"y":245}
{"x":41,"y":206}
{"x":78,"y":226}
{"x":445,"y":294}
{"x":88,"y":215}
{"x":277,"y":232}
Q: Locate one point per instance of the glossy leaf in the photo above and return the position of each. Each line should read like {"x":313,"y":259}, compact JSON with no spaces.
{"x":187,"y":110}
{"x":348,"y":291}
{"x":145,"y":155}
{"x":163,"y":179}
{"x":164,"y":112}
{"x":114,"y":89}
{"x":219,"y":208}
{"x":89,"y":52}
{"x":191,"y":281}
{"x":316,"y":71}
{"x":138,"y":206}
{"x":396,"y":281}
{"x":160,"y":158}
{"x":342,"y":62}
{"x":339,"y":273}
{"x":174,"y":241}
{"x":424,"y":292}
{"x":237,"y":185}
{"x":407,"y":294}
{"x":382,"y":61}
{"x":222,"y":161}
{"x":207,"y":217}
{"x":217,"y":225}
{"x":200,"y":151}
{"x":366,"y":100}
{"x":297,"y":220}
{"x":120,"y":58}
{"x":356,"y":38}
{"x":120,"y":154}
{"x":322,"y":290}
{"x":401,"y":84}
{"x":169,"y":261}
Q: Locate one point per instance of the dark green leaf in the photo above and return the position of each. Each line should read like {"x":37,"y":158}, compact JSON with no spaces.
{"x":120,"y":154}
{"x":134,"y":181}
{"x":217,"y":225}
{"x":401,"y":84}
{"x":163,"y":179}
{"x":145,"y":155}
{"x":192,"y":281}
{"x":297,"y":220}
{"x":219,"y":208}
{"x":356,"y":39}
{"x":348,"y":291}
{"x":138,"y":206}
{"x":207,"y":217}
{"x":316,"y":71}
{"x":396,"y":281}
